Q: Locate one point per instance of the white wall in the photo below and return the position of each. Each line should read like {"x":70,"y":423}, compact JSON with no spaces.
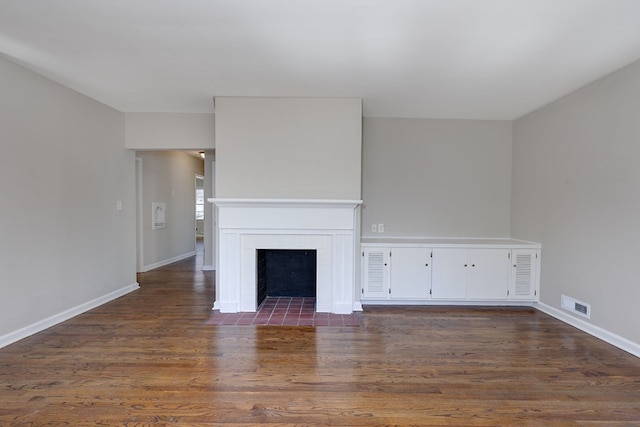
{"x":436,"y":178}
{"x":576,"y":189}
{"x":169,"y":131}
{"x":288,"y":148}
{"x":63,"y":167}
{"x":169,"y":177}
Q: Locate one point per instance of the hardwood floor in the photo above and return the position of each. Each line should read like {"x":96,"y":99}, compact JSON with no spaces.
{"x":149,"y":358}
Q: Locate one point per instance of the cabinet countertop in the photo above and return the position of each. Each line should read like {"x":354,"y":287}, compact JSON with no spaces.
{"x":446,"y":242}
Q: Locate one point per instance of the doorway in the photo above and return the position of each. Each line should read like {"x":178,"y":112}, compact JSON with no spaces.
{"x":200,"y":213}
{"x":139,"y":220}
{"x":168,"y":178}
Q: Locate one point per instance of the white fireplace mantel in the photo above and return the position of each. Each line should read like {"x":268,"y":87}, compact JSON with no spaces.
{"x":326,"y":225}
{"x":285,"y":202}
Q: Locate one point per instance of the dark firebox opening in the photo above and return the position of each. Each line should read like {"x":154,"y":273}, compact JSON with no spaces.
{"x":286,"y":273}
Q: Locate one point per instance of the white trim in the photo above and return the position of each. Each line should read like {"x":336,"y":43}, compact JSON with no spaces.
{"x":423,"y":302}
{"x":447,"y":242}
{"x":226,"y":307}
{"x":43,"y":324}
{"x":139,"y":217}
{"x":391,"y":237}
{"x":208,"y":268}
{"x":329,"y":274}
{"x":246,"y":225}
{"x":528,"y":242}
{"x":342,"y":308}
{"x":286,"y":203}
{"x":162,"y":263}
{"x":596,"y":331}
{"x":214,"y":246}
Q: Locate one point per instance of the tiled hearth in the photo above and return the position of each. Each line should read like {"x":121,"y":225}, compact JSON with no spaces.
{"x":284,"y":311}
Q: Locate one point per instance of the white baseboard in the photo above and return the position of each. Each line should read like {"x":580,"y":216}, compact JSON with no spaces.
{"x":162,"y":263}
{"x":343,"y":308}
{"x":499,"y":303}
{"x":227,"y":306}
{"x":43,"y":324}
{"x":606,"y":336}
{"x":208,"y":268}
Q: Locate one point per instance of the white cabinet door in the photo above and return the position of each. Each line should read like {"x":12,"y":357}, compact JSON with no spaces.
{"x":488,"y":274}
{"x":523,"y":282}
{"x":410,"y":273}
{"x":375,"y":273}
{"x":449,"y":274}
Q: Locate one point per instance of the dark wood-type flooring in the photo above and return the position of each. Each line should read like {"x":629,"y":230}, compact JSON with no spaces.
{"x":149,"y":358}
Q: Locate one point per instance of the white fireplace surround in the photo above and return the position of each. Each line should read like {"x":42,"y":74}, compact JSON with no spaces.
{"x":328,"y":226}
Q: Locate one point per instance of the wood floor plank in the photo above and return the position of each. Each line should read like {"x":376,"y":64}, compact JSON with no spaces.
{"x":149,"y":358}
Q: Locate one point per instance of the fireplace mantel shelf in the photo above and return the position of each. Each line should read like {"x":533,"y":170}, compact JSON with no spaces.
{"x":297,"y":203}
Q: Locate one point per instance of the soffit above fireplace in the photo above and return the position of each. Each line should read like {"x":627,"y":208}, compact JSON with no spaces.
{"x":295,"y":148}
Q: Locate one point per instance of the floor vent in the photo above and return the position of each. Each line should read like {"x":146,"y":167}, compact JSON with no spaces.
{"x":575,"y":306}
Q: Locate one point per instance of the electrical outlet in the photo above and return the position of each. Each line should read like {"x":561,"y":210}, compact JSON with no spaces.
{"x":118,"y":205}
{"x":380,"y":228}
{"x":374,"y":228}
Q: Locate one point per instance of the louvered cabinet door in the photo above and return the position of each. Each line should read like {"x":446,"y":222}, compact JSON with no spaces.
{"x":375,"y":274}
{"x":524,"y":282}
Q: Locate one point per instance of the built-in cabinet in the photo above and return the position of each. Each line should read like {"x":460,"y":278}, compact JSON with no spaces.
{"x":411,"y":276}
{"x":443,"y":272}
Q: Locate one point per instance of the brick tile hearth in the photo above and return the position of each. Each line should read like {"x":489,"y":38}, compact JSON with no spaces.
{"x":284,"y":311}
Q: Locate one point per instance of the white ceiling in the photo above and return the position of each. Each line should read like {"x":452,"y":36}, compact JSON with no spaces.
{"x":471,"y":59}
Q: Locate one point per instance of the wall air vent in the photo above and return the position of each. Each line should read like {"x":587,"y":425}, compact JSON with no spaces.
{"x":575,"y":306}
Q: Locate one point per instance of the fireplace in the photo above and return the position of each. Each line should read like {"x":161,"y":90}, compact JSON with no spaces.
{"x":327,"y":227}
{"x":285,"y":273}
